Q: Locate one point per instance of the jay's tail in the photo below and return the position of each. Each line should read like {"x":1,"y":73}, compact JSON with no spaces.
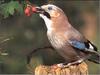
{"x":95,"y":57}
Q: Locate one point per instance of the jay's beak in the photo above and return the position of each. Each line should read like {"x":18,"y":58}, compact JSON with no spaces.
{"x":39,"y":10}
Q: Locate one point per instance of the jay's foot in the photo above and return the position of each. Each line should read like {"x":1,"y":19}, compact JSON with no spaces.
{"x":65,"y":65}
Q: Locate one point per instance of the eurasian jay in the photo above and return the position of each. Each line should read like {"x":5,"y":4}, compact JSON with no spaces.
{"x":64,"y":38}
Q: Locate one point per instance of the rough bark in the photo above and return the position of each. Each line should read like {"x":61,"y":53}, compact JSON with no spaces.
{"x":80,"y":69}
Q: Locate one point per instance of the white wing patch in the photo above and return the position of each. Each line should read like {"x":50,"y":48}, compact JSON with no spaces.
{"x":90,"y":46}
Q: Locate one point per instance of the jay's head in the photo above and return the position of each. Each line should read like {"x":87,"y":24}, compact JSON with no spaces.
{"x":50,"y":11}
{"x":52,"y":15}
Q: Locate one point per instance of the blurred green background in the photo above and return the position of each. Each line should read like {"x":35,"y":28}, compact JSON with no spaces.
{"x":28,"y":33}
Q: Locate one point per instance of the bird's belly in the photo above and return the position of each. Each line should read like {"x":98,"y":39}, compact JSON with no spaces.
{"x":56,"y":41}
{"x":63,"y":48}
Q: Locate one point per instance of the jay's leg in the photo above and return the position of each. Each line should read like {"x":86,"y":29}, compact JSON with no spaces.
{"x":64,"y":65}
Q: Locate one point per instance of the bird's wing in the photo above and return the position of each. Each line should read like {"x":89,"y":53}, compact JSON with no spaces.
{"x":87,"y":47}
{"x":84,"y":46}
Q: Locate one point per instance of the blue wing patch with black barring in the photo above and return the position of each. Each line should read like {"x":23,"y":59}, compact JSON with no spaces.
{"x":77,"y":44}
{"x":82,"y":45}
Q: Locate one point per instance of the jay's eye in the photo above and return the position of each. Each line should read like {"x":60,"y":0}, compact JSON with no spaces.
{"x":49,"y":8}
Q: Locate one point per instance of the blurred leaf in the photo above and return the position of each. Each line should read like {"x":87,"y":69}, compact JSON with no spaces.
{"x":9,"y":8}
{"x":3,"y":54}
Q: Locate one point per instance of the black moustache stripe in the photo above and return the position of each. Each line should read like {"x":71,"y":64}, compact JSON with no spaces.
{"x":47,"y":15}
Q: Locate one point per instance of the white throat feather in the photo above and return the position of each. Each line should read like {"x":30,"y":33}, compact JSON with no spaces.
{"x":47,"y":21}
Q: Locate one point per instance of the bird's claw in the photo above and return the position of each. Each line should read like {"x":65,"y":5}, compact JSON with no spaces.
{"x":61,"y":65}
{"x":65,"y":65}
